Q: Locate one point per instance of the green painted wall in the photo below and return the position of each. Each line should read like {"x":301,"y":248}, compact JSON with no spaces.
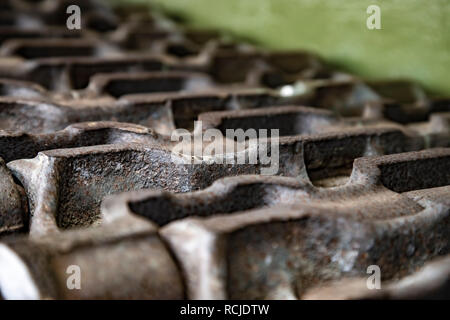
{"x":414,"y":41}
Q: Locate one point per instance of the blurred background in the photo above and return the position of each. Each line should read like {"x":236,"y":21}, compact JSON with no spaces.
{"x":413,"y":43}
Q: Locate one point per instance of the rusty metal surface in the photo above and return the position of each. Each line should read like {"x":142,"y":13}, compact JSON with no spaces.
{"x":127,"y":243}
{"x":90,"y":175}
{"x":13,"y":205}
